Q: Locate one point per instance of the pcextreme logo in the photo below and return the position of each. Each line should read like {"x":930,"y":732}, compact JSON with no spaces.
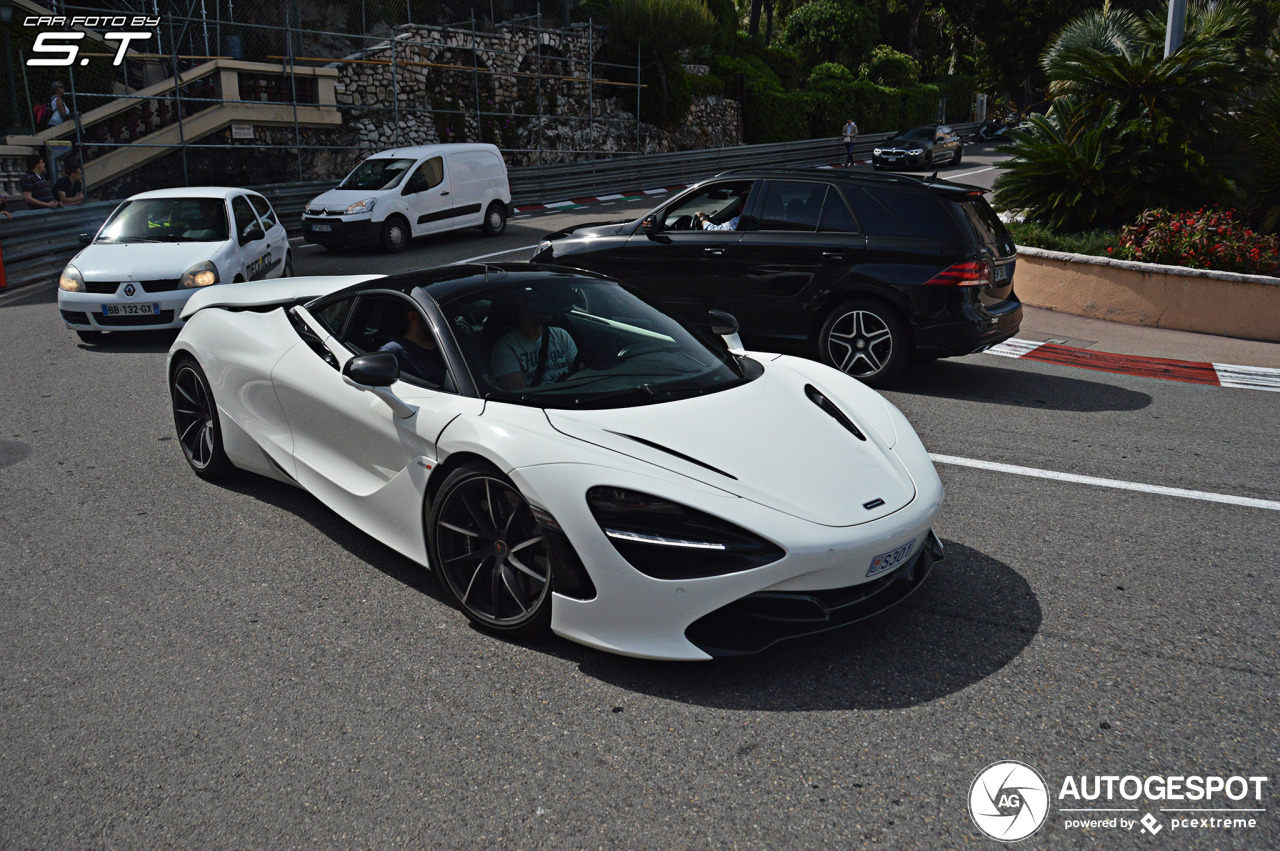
{"x":1009,"y":801}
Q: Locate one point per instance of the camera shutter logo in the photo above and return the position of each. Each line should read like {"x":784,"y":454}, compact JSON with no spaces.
{"x":1008,"y":801}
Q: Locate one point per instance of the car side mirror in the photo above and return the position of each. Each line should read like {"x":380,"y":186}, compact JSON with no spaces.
{"x":376,"y":372}
{"x":250,"y":233}
{"x":726,"y":325}
{"x":650,"y":224}
{"x":378,"y":369}
{"x":86,"y":238}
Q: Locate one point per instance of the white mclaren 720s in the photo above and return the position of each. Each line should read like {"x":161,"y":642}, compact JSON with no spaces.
{"x":566,"y":456}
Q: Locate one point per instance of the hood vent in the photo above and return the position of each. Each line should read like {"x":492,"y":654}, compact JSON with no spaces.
{"x":680,"y":455}
{"x":829,"y":408}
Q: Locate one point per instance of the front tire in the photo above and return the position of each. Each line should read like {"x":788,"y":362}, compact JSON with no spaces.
{"x":395,"y":235}
{"x":867,"y":339}
{"x":288,"y":265}
{"x":495,"y":219}
{"x":959,"y":154}
{"x":195,"y":416}
{"x":489,"y":552}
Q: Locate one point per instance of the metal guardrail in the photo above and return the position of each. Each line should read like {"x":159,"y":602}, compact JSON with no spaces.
{"x":37,"y":244}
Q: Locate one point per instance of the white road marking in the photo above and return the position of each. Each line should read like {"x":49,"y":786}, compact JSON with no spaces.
{"x":494,"y":254}
{"x":1033,"y":472}
{"x":609,"y":197}
{"x":967,"y":173}
{"x":559,"y":204}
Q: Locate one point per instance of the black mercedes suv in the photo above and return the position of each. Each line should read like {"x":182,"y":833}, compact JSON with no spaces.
{"x":860,"y":270}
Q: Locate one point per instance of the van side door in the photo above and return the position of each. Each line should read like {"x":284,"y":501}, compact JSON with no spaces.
{"x":469,"y":178}
{"x":426,"y":193}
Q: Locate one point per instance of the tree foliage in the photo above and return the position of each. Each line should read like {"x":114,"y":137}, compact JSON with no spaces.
{"x":888,"y":67}
{"x":831,"y":31}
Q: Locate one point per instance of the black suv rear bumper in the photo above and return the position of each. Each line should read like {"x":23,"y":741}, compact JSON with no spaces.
{"x":981,"y":328}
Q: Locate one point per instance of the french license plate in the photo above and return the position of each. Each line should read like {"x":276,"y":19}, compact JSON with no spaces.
{"x":891,"y":559}
{"x":130,"y":309}
{"x":322,"y":228}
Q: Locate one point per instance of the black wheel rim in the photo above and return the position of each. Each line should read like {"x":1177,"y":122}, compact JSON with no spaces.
{"x":492,"y":552}
{"x":860,"y":343}
{"x":193,"y":416}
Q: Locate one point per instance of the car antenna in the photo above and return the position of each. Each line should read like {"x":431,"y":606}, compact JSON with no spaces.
{"x":933,"y":176}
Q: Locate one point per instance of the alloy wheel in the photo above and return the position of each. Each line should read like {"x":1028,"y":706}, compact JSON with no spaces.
{"x":193,"y":416}
{"x":860,"y":343}
{"x":491,"y":552}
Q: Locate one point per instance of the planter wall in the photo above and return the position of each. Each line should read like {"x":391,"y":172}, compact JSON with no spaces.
{"x":1223,"y":303}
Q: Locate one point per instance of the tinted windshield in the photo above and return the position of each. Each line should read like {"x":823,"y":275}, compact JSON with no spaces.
{"x":919,"y":134}
{"x":376,"y":173}
{"x":167,"y":220}
{"x":567,"y":342}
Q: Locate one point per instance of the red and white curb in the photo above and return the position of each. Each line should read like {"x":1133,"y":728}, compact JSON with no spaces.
{"x":1193,"y":372}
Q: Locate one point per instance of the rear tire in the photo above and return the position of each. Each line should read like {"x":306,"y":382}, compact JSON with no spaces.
{"x":867,"y":339}
{"x":395,"y":235}
{"x":959,"y":154}
{"x":488,"y":552}
{"x":495,"y":219}
{"x":195,"y":416}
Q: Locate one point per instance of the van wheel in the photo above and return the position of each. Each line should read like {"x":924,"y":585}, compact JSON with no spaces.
{"x":867,"y":339}
{"x":495,"y":219}
{"x":395,"y":235}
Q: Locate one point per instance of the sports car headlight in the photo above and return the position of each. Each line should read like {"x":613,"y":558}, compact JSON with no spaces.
{"x":545,"y":245}
{"x":200,"y":275}
{"x":71,"y":281}
{"x":666,"y":540}
{"x":362,"y":206}
{"x":915,"y":153}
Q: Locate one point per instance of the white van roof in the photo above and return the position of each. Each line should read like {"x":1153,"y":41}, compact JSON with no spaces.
{"x":420,"y":151}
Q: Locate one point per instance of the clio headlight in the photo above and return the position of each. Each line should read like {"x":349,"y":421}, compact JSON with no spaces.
{"x":200,"y":275}
{"x":666,"y":540}
{"x":364,"y":206}
{"x":71,"y":281}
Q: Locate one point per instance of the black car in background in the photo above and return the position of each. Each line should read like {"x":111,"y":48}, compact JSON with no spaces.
{"x":919,"y":147}
{"x":860,"y":270}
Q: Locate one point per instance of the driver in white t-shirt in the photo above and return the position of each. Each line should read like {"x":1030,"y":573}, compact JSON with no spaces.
{"x":514,"y":361}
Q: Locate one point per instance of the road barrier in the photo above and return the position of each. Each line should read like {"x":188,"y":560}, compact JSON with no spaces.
{"x":38,"y":243}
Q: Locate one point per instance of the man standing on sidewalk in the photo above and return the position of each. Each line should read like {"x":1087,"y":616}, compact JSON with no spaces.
{"x":36,"y":191}
{"x":850,"y":136}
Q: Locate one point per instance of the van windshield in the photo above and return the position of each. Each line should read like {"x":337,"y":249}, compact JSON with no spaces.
{"x":376,"y":173}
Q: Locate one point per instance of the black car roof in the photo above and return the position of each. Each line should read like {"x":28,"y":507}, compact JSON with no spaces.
{"x":858,"y":178}
{"x":442,"y":282}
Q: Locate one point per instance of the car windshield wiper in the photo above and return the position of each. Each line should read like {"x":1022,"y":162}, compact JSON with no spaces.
{"x":129,"y":239}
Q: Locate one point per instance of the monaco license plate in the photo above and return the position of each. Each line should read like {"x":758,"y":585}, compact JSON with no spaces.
{"x":322,"y":228}
{"x":891,"y":559}
{"x":130,"y":309}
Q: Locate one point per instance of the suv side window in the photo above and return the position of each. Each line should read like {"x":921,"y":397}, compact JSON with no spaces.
{"x":836,"y":216}
{"x":792,"y":206}
{"x":720,"y":202}
{"x":426,"y":176}
{"x":263,"y":208}
{"x":894,"y":212}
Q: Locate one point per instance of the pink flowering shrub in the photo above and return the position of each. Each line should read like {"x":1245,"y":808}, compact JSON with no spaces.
{"x":1208,"y":238}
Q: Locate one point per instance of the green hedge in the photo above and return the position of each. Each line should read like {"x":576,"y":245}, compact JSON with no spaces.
{"x":821,"y":110}
{"x":703,"y":87}
{"x":775,"y":117}
{"x":959,"y":91}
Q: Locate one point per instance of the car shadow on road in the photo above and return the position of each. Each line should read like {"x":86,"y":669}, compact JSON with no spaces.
{"x":983,"y":381}
{"x":306,"y":507}
{"x":973,"y":616}
{"x":132,"y":342}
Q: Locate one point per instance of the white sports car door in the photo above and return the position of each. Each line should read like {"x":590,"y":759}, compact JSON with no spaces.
{"x":352,"y":452}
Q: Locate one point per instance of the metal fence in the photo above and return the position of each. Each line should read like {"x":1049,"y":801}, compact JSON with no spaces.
{"x":38,"y":244}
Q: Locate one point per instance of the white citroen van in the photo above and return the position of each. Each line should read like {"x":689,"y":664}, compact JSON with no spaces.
{"x":396,"y":195}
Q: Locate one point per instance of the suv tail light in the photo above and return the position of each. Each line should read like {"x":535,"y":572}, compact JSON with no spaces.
{"x":969,"y":274}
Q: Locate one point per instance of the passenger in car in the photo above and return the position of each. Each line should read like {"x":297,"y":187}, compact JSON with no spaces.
{"x":416,"y":351}
{"x":534,"y":352}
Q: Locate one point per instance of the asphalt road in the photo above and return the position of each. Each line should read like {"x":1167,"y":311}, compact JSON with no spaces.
{"x":189,"y":665}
